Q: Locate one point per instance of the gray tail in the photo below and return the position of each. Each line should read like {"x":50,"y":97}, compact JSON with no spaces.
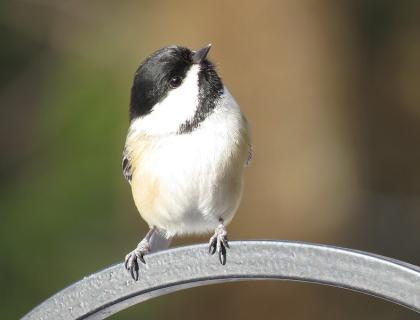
{"x":159,"y":241}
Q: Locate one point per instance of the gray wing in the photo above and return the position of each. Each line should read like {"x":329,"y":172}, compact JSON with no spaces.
{"x":250,"y":155}
{"x":126,"y":166}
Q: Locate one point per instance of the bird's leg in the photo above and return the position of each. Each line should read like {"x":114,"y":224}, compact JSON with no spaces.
{"x":153,"y":241}
{"x":218,"y":242}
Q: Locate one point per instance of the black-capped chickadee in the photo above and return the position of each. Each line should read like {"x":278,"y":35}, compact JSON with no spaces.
{"x":185,"y":152}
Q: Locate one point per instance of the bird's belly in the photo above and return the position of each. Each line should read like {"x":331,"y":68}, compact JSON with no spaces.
{"x":185,"y":189}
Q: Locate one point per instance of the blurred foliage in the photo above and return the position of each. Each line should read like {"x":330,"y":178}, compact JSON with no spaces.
{"x":329,"y":87}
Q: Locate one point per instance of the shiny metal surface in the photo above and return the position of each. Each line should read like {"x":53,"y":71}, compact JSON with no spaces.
{"x":112,"y":289}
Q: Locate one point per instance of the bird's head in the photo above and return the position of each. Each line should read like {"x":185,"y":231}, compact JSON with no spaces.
{"x":174,"y":90}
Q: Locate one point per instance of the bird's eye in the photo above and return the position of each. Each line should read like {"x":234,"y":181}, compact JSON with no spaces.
{"x":175,"y":82}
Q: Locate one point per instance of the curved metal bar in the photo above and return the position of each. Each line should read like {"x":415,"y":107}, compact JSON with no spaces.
{"x":111,"y":290}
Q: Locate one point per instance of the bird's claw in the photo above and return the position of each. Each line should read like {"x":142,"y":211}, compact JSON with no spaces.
{"x":131,"y":259}
{"x":218,"y":242}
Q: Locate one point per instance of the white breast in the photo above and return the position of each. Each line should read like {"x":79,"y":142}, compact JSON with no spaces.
{"x":185,"y":183}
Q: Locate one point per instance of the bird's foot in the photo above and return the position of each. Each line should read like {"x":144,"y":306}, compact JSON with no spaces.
{"x":218,"y":242}
{"x":131,"y":259}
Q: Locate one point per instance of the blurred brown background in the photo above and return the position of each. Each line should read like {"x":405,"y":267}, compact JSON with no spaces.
{"x":331,"y":89}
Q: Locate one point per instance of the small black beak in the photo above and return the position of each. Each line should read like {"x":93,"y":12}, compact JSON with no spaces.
{"x":200,"y":54}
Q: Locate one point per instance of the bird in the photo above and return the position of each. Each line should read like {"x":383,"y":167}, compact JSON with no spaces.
{"x":185,"y":151}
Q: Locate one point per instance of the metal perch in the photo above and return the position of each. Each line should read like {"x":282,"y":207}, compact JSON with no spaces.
{"x":112,"y":289}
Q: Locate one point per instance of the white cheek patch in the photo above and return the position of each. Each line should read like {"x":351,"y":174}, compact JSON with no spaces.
{"x":178,"y":106}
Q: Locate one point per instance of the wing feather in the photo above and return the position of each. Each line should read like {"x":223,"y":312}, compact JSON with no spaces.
{"x":126,"y":166}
